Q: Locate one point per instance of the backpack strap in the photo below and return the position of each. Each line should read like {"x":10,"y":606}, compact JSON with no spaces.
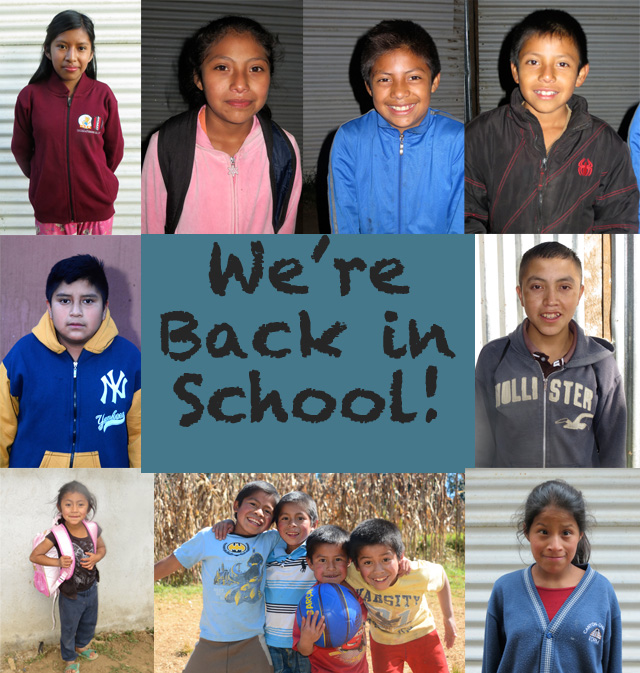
{"x":66,"y":549}
{"x":176,"y":152}
{"x":282,"y":167}
{"x":92,"y":527}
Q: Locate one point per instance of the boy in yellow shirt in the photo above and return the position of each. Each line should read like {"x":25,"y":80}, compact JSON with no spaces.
{"x":402,"y":627}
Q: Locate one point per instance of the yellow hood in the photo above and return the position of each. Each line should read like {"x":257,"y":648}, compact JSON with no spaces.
{"x":45,"y":332}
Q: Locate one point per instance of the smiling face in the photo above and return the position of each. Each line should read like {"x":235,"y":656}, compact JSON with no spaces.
{"x":401,"y":88}
{"x":547,"y":74}
{"x":329,"y":564}
{"x":294,"y":525}
{"x":255,"y":514}
{"x":234,"y":78}
{"x":378,"y":565}
{"x":77,"y":312}
{"x":74,"y":508}
{"x":70,"y":53}
{"x":550,"y":293}
{"x":554,"y":536}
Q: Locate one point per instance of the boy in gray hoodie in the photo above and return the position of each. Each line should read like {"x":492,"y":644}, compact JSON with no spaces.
{"x":547,"y":395}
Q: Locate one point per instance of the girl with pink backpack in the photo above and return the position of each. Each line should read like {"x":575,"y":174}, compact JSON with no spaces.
{"x":74,"y":545}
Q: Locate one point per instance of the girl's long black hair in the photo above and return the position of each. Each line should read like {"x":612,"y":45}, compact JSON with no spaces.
{"x":67,"y":20}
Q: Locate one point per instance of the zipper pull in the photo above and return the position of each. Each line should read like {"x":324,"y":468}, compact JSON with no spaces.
{"x":69,"y":101}
{"x":401,"y":144}
{"x":232,"y":170}
{"x":75,"y":370}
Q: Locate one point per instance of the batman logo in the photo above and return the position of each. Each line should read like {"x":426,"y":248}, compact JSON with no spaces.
{"x":236,"y":548}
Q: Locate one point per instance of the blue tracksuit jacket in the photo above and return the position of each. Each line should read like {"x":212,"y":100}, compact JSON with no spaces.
{"x":373,"y":189}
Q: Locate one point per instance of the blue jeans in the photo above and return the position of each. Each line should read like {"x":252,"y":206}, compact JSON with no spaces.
{"x":78,"y":621}
{"x":286,"y":660}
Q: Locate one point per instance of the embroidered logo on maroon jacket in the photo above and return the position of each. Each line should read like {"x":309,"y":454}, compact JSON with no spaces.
{"x":84,"y":121}
{"x":585,"y":167}
{"x":89,"y":124}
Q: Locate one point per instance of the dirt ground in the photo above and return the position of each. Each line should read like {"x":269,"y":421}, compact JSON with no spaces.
{"x":176,"y":627}
{"x":128,"y":652}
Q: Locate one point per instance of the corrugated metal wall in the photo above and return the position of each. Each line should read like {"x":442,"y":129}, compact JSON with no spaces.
{"x":613,"y":40}
{"x":22,"y":32}
{"x":331,"y":29}
{"x":611,"y":267}
{"x":492,"y":497}
{"x":168,"y":23}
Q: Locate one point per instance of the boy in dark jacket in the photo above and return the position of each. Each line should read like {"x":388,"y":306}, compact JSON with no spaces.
{"x":543,"y":163}
{"x":70,"y":391}
{"x":547,"y":395}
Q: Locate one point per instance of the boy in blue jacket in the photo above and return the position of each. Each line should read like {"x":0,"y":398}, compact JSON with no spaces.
{"x":70,"y":391}
{"x":399,"y":169}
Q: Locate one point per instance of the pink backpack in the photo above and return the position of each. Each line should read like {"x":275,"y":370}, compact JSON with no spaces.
{"x":47,"y":579}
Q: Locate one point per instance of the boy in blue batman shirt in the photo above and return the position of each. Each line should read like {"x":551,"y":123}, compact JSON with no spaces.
{"x":233,"y":582}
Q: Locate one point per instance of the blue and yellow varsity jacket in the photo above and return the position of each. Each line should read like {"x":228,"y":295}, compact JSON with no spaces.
{"x":55,"y":412}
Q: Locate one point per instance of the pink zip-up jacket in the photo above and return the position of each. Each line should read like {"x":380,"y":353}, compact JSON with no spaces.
{"x":217,"y":201}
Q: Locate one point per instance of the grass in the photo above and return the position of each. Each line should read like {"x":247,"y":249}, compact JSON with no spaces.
{"x":103,"y":644}
{"x":455,"y":574}
{"x":182,"y":592}
{"x":40,"y":656}
{"x":185,"y":650}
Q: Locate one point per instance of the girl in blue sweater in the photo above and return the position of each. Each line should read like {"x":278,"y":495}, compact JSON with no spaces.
{"x":559,"y":614}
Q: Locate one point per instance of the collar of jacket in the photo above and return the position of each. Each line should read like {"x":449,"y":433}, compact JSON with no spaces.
{"x":421,"y":128}
{"x":58,"y":87}
{"x":45,"y":332}
{"x":589,"y":350}
{"x":580,"y":117}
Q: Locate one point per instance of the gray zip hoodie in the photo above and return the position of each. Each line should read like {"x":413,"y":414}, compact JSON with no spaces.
{"x":577,"y":417}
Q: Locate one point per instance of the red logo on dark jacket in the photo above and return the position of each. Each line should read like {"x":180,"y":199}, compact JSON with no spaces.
{"x":585,"y":167}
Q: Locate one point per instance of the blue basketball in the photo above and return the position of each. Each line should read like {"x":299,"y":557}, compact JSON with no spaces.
{"x":340,"y":609}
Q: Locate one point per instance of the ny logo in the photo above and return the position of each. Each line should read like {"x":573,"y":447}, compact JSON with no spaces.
{"x":108,"y":382}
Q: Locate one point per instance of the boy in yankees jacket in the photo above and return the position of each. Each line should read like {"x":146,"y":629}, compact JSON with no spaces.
{"x":70,"y":391}
{"x":547,"y":395}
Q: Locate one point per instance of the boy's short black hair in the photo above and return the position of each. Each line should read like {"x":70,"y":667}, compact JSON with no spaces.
{"x":547,"y":250}
{"x":78,"y":267}
{"x":327,"y":535}
{"x":249,"y":489}
{"x":375,"y":531}
{"x":395,"y":34}
{"x":552,"y":22}
{"x":306,"y":502}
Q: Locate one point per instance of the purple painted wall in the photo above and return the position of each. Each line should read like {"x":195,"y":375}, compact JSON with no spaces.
{"x":25,"y":262}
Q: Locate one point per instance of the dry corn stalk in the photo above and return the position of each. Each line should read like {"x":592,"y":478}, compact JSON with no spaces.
{"x":427,"y":510}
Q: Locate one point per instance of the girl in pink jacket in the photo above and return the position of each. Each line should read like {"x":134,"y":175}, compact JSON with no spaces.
{"x":227,"y":167}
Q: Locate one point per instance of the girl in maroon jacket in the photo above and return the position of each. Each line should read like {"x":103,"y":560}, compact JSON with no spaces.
{"x":66,"y":136}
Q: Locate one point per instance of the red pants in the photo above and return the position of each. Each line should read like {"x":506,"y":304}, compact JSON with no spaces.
{"x":424,"y":655}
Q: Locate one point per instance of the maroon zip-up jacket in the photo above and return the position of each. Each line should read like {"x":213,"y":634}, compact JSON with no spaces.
{"x":584,"y":184}
{"x":69,"y":148}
